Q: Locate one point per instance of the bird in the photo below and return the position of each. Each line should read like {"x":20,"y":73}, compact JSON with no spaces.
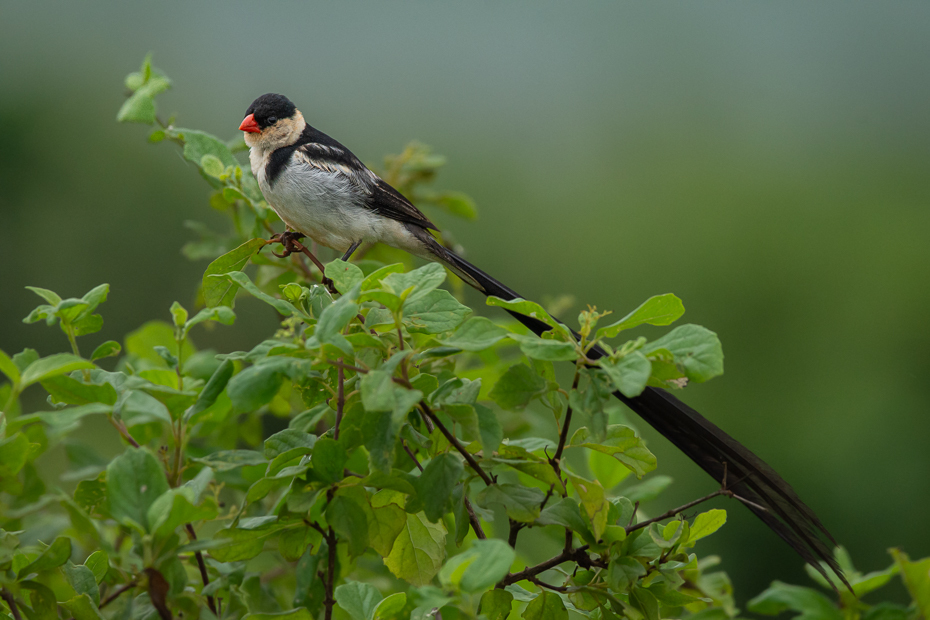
{"x":320,"y":189}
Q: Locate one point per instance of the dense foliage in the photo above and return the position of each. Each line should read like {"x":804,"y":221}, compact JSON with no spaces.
{"x":384,"y":454}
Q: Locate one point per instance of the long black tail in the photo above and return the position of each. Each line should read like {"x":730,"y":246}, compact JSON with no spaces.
{"x":749,"y":478}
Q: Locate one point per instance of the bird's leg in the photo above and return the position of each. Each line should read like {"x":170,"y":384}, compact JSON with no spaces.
{"x":351,"y":250}
{"x":291,"y":242}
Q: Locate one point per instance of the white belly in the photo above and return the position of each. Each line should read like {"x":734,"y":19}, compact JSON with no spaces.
{"x":327,"y":207}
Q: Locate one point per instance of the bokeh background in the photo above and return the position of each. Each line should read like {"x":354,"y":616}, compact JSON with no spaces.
{"x":767,"y":162}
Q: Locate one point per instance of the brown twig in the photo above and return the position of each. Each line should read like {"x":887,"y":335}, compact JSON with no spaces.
{"x":680,"y":509}
{"x":475,"y":523}
{"x":456,"y":444}
{"x":548,"y":586}
{"x":329,"y":602}
{"x":340,"y":400}
{"x":412,"y":455}
{"x":123,"y":431}
{"x":556,"y":460}
{"x":115,"y":595}
{"x":203,"y":569}
{"x":576,"y":555}
{"x":11,"y":602}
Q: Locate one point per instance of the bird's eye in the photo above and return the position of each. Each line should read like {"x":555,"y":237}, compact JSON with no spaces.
{"x":272,"y":120}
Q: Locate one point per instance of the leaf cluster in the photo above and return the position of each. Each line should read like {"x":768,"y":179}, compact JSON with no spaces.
{"x":383,"y":454}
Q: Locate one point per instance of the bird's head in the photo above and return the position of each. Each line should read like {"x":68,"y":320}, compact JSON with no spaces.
{"x":272,"y":121}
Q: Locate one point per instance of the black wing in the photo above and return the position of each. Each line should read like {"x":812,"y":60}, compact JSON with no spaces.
{"x":320,"y":151}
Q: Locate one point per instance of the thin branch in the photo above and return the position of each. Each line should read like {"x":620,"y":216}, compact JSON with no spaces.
{"x":576,"y":555}
{"x":475,"y":523}
{"x":680,"y":509}
{"x":203,"y":569}
{"x":340,"y":400}
{"x":556,"y":460}
{"x":11,"y":602}
{"x":548,"y":586}
{"x":123,"y":431}
{"x":515,"y":527}
{"x":329,"y":602}
{"x":456,"y":443}
{"x":412,"y":455}
{"x":115,"y":595}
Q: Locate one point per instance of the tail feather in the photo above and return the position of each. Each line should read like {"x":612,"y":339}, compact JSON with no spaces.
{"x":749,"y":478}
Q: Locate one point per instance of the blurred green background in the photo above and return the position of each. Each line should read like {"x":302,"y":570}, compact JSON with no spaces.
{"x":767,"y":162}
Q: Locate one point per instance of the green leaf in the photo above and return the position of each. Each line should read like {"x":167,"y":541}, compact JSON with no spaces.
{"x":329,"y":459}
{"x":546,"y":606}
{"x":475,"y":334}
{"x":606,"y":469}
{"x":658,"y":310}
{"x":629,"y":373}
{"x":530,"y":309}
{"x":178,"y":314}
{"x":707,"y":523}
{"x":99,"y":563}
{"x":14,"y":452}
{"x":225,"y":460}
{"x":134,"y":480}
{"x":479,"y":567}
{"x":418,"y":551}
{"x":176,"y":507}
{"x":8,"y":368}
{"x":66,"y":389}
{"x":496,"y":604}
{"x":50,"y":296}
{"x":810,"y":604}
{"x":434,"y":313}
{"x":82,"y":580}
{"x":220,"y":314}
{"x":623,"y":573}
{"x":142,"y":343}
{"x":289,"y":441}
{"x":390,"y":606}
{"x":647,"y":489}
{"x":199,"y":143}
{"x":346,"y":514}
{"x":333,"y":320}
{"x":44,"y":605}
{"x":916,"y":576}
{"x":567,"y":513}
{"x":107,"y":349}
{"x":51,"y":366}
{"x":301,"y":613}
{"x":238,"y":544}
{"x":357,"y":599}
{"x":211,"y":165}
{"x":544,"y":349}
{"x":53,"y":556}
{"x":221,"y":291}
{"x":210,"y":391}
{"x":435,"y":484}
{"x":423,"y":280}
{"x":82,"y":607}
{"x":489,"y":427}
{"x":255,"y":386}
{"x":344,"y":275}
{"x":517,"y":387}
{"x":521,"y":502}
{"x":388,"y":520}
{"x":593,"y":500}
{"x":696,"y":349}
{"x":621,"y":443}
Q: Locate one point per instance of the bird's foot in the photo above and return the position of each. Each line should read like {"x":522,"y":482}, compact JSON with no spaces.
{"x":290,"y":240}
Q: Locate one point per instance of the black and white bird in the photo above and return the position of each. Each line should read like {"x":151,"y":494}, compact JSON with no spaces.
{"x":320,"y":189}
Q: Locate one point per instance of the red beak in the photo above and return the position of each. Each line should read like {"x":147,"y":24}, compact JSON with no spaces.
{"x":249,"y":125}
